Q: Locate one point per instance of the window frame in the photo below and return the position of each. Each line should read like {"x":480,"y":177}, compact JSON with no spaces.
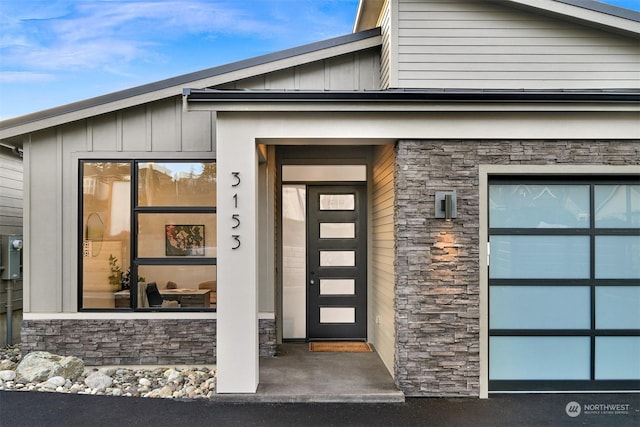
{"x":497,"y":386}
{"x":134,"y":260}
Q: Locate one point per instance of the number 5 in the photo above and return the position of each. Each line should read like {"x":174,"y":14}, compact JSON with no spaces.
{"x":236,"y":218}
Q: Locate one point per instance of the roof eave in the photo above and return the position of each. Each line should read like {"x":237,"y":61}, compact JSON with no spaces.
{"x":367,"y":15}
{"x":588,"y":12}
{"x":162,"y":89}
{"x":626,"y":96}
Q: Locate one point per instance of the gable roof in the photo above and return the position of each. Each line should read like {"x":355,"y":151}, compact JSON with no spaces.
{"x":205,"y":78}
{"x":365,"y":36}
{"x":589,"y":12}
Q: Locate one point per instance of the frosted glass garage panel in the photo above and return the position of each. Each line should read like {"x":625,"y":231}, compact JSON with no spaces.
{"x":337,"y":315}
{"x":337,"y":258}
{"x":539,"y":257}
{"x":521,"y":307}
{"x":617,"y":358}
{"x":618,"y":257}
{"x":539,"y":358}
{"x":617,"y":206}
{"x":538,"y":206}
{"x":325,"y":173}
{"x":618,"y":307}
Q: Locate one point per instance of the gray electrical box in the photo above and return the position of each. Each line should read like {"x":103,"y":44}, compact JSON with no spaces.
{"x":10,"y":257}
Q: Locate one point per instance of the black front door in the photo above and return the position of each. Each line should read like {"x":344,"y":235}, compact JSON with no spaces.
{"x":337,"y":262}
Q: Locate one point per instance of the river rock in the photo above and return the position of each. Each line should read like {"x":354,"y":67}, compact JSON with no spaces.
{"x":98,"y":381}
{"x":55,"y":382}
{"x":7,"y":375}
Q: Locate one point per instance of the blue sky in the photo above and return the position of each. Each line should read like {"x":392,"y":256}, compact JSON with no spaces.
{"x":53,"y":52}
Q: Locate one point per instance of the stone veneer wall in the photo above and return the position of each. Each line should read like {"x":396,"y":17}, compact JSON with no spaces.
{"x":437,"y":262}
{"x":131,"y":342}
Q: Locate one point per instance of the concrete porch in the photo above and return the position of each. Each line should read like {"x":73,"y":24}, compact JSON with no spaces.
{"x":297,"y":375}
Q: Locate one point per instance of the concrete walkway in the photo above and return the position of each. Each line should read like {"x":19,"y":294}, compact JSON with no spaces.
{"x":297,"y":375}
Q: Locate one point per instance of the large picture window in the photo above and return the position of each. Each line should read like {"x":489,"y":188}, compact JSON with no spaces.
{"x":564,"y":284}
{"x":148,"y":235}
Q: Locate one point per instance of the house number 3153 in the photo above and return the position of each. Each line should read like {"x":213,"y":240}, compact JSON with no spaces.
{"x":235,"y":216}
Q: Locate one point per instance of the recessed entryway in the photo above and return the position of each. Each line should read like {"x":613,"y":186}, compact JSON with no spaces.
{"x":324,"y":252}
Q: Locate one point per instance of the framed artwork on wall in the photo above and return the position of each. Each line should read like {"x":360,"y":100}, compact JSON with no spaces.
{"x":184,"y":240}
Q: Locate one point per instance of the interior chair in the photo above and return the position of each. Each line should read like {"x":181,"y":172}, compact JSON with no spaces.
{"x":212,"y":285}
{"x":153,"y":295}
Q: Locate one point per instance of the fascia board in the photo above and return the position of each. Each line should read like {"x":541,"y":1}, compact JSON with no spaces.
{"x":151,"y":96}
{"x":329,"y":106}
{"x":367,"y":15}
{"x":573,"y":10}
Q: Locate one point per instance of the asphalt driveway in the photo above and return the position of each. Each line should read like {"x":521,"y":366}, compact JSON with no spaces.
{"x":40,"y":409}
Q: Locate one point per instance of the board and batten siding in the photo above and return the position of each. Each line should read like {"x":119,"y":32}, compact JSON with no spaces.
{"x":382,"y":285}
{"x":158,"y":130}
{"x":352,"y":71}
{"x":485,"y":45}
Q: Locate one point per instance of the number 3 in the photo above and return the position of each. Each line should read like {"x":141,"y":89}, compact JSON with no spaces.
{"x":236,"y":175}
{"x":236,"y":237}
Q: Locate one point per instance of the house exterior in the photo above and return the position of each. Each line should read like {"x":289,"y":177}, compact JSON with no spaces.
{"x":456,"y":182}
{"x":11,"y":194}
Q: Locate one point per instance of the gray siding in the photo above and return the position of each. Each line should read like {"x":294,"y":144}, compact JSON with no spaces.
{"x":11,"y":201}
{"x":160,"y":126}
{"x":389,"y":50}
{"x":155,"y":130}
{"x":484,"y":45}
{"x":11,"y":193}
{"x":382,"y":330}
{"x":354,"y":71}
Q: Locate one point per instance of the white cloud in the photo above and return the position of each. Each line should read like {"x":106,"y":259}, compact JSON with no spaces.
{"x":92,"y":34}
{"x":24,"y":77}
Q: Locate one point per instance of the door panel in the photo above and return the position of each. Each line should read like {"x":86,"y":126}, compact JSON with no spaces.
{"x":337,"y":262}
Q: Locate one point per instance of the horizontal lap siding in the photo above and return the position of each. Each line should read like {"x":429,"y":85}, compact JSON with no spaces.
{"x":385,"y":60}
{"x":479,"y":45}
{"x":11,"y":185}
{"x":382,"y":256}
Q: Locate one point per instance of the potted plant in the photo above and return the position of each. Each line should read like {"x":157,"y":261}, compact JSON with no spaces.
{"x":115,"y":275}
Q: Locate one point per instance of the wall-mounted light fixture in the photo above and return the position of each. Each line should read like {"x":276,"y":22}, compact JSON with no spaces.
{"x":446,"y":205}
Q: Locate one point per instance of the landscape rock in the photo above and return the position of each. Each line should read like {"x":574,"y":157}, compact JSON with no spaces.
{"x":7,"y":365}
{"x":41,"y":365}
{"x":159,"y":382}
{"x":7,"y":375}
{"x":55,"y":382}
{"x":98,"y":381}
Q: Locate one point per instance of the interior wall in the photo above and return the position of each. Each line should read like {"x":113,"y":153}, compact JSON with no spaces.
{"x":381,"y":276}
